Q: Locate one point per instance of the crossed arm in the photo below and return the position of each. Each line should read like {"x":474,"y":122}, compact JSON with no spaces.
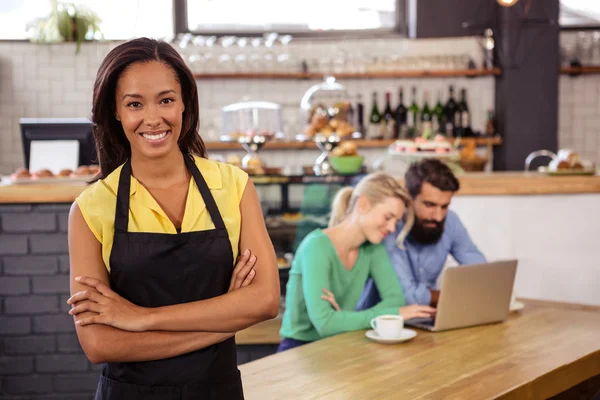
{"x":111,"y":329}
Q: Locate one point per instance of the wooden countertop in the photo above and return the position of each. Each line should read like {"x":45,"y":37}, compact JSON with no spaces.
{"x":495,"y":183}
{"x":523,"y":183}
{"x":266,"y":332}
{"x":537,"y":353}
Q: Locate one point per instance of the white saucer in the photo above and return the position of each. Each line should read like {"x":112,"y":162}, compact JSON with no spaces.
{"x":407,"y":334}
{"x":516,"y":306}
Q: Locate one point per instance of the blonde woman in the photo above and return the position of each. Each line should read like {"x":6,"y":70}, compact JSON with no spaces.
{"x":331,"y":266}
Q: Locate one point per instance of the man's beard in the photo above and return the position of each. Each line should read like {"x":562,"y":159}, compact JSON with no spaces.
{"x":427,"y":234}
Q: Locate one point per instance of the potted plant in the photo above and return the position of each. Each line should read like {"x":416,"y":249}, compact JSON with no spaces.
{"x":67,"y":22}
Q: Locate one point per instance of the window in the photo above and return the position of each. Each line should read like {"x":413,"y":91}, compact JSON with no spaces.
{"x":121,"y":19}
{"x":258,"y":16}
{"x":574,"y":13}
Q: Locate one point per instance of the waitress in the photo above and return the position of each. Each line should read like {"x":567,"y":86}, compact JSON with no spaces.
{"x":155,"y":292}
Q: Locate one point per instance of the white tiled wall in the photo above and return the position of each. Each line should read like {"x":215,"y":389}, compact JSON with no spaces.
{"x":579,"y":115}
{"x":52,"y":81}
{"x":579,"y":98}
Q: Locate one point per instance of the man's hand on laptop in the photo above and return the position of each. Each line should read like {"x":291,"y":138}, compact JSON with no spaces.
{"x":417,"y":311}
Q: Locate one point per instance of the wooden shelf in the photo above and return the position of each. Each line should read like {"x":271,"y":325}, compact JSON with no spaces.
{"x":356,"y":75}
{"x":361,"y":144}
{"x":585,"y":70}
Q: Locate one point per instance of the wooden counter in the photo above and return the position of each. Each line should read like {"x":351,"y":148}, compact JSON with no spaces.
{"x":496,"y":183}
{"x":544,"y":350}
{"x":266,"y":332}
{"x":521,"y":183}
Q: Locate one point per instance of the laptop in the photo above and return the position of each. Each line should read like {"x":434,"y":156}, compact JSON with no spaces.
{"x":472,"y":295}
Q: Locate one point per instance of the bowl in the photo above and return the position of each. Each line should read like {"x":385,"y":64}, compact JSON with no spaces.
{"x":347,"y":165}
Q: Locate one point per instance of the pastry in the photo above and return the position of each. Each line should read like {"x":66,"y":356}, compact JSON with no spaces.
{"x":21,"y":173}
{"x":43,"y":173}
{"x":65,"y":173}
{"x":83,"y":170}
{"x":345,"y":149}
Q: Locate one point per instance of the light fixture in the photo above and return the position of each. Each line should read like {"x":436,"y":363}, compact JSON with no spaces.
{"x":507,"y":3}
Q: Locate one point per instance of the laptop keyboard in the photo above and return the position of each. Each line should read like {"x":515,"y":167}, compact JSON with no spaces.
{"x":423,"y":321}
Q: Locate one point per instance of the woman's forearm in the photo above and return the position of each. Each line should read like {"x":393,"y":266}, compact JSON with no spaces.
{"x":114,"y":345}
{"x":230,"y":312}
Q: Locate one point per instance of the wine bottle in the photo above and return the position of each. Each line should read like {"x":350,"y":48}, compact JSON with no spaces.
{"x":413,"y":115}
{"x":360,"y":116}
{"x":400,"y":115}
{"x":462,"y":118}
{"x":438,"y":115}
{"x":388,"y":118}
{"x":450,"y":112}
{"x":490,"y":125}
{"x":375,"y":120}
{"x":426,"y":117}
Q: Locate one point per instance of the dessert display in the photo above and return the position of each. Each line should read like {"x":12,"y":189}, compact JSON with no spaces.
{"x":252,"y":124}
{"x":570,"y":162}
{"x":470,"y":161}
{"x":82,"y":173}
{"x":329,"y":121}
{"x":326,"y":111}
{"x":345,"y":149}
{"x":250,"y":119}
{"x":439,"y":144}
{"x":345,"y":158}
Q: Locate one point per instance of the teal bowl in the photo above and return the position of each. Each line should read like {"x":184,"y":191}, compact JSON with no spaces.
{"x":347,"y":165}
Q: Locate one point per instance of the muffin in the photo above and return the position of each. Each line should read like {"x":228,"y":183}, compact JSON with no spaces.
{"x":21,"y":173}
{"x":83,"y":170}
{"x":42,"y":173}
{"x":65,"y":173}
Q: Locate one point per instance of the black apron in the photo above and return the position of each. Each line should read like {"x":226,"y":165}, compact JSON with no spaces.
{"x":156,"y":269}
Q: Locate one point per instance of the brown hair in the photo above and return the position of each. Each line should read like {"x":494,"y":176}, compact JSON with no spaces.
{"x":433,"y":171}
{"x":111,"y":144}
{"x":375,"y":187}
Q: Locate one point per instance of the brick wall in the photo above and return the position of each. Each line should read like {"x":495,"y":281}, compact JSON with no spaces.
{"x":40,"y":356}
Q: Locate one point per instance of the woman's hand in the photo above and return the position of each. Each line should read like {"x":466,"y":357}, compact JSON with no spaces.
{"x":114,"y":310}
{"x":244,"y":272}
{"x":111,"y":309}
{"x":330,"y":298}
{"x":417,"y":311}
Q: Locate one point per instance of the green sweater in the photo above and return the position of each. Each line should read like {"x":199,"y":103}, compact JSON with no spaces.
{"x":316,"y":266}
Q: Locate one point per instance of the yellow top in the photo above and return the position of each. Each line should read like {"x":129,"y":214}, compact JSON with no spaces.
{"x":226,"y":183}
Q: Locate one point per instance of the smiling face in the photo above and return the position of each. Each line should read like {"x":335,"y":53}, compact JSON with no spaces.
{"x":149,"y":105}
{"x":379,"y":220}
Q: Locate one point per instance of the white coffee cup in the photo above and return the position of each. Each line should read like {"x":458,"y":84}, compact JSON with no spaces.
{"x":388,"y":326}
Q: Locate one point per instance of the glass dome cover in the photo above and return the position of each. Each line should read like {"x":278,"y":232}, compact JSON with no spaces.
{"x":325,"y":111}
{"x":249,"y":119}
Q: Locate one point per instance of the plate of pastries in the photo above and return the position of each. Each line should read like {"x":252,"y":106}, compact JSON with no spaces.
{"x":83,"y":173}
{"x":568,"y":162}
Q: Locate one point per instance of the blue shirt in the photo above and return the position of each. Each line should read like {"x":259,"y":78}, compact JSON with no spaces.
{"x":418,"y":266}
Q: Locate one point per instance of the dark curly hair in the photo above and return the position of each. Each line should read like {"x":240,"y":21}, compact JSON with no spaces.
{"x":432,"y":171}
{"x":112,"y":146}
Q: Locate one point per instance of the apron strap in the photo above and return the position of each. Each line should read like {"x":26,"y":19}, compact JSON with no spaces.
{"x":211,"y":206}
{"x":122,"y":210}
